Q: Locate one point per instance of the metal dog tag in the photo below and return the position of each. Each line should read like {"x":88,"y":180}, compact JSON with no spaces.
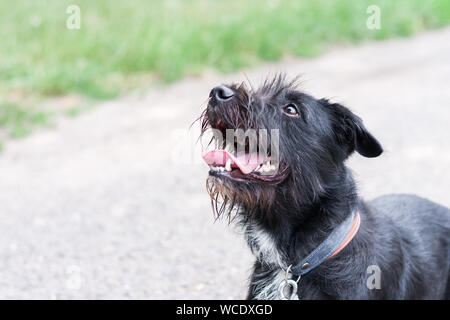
{"x":288,"y":283}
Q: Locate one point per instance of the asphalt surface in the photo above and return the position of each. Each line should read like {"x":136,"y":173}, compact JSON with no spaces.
{"x":112,"y":204}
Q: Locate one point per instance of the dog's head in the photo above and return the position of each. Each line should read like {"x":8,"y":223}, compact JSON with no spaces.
{"x":276,"y":143}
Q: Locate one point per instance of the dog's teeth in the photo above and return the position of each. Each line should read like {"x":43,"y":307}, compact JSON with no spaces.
{"x":228,"y":165}
{"x":266,"y":167}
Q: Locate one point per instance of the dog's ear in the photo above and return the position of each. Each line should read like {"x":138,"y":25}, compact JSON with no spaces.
{"x":351,"y":131}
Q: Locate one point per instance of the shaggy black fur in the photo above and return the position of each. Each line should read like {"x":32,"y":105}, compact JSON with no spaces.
{"x":407,"y":237}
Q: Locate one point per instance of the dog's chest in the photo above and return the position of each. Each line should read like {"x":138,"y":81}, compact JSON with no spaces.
{"x":263,"y":246}
{"x":266,"y":281}
{"x":266,"y":252}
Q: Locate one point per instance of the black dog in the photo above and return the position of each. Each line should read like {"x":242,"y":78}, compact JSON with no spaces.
{"x":401,"y":250}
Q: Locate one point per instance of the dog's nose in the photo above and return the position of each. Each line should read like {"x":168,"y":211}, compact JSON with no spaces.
{"x":222,"y":93}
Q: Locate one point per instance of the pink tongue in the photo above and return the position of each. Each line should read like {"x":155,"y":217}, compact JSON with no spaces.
{"x":245,"y":162}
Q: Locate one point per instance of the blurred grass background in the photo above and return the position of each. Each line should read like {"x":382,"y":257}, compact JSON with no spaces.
{"x":126,"y":43}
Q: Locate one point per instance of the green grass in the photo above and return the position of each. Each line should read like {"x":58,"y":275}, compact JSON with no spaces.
{"x":17,"y":121}
{"x":170,"y":39}
{"x":122,"y":42}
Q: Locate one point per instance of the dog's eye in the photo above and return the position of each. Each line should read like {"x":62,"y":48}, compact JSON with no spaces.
{"x":291,"y":110}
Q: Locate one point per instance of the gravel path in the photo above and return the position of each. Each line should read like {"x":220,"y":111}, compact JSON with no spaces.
{"x":102,"y":206}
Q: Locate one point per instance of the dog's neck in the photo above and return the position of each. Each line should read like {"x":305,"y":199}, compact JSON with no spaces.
{"x":281,"y":235}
